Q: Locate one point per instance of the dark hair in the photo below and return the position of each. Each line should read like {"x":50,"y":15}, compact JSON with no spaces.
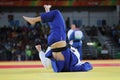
{"x":37,"y":42}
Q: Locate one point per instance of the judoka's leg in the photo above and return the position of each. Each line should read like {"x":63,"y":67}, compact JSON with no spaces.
{"x":57,"y":56}
{"x":52,"y":16}
{"x":32,"y":20}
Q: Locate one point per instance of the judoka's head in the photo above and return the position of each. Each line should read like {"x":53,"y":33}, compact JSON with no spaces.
{"x":73,"y":26}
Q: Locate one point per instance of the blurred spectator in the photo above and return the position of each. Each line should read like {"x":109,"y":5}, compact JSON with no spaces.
{"x":28,"y":53}
{"x":13,"y":41}
{"x":104,"y":52}
{"x":2,"y":52}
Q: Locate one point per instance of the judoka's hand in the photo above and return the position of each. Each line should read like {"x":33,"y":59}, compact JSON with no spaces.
{"x":38,"y":47}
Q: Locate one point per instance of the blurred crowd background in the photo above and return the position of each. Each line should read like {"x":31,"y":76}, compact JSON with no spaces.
{"x":17,"y":36}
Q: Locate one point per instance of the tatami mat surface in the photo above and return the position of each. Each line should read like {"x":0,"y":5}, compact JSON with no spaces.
{"x":37,"y":72}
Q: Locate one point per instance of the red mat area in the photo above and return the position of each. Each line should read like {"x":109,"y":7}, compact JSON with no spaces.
{"x":21,"y":66}
{"x":41,"y":66}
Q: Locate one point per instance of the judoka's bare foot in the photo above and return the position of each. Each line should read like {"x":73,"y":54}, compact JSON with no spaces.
{"x":30,"y":20}
{"x":47,"y":7}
